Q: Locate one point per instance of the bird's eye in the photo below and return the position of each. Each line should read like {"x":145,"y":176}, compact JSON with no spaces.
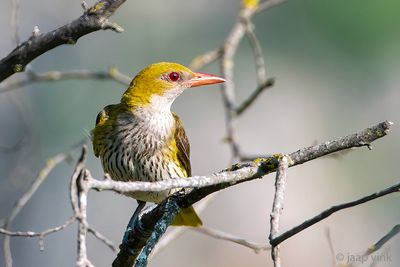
{"x":174,"y":76}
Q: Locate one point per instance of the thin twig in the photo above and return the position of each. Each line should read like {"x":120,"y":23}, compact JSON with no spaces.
{"x":268,"y":4}
{"x":102,"y":238}
{"x":206,"y":59}
{"x":375,"y":247}
{"x":73,"y":189}
{"x":93,"y":19}
{"x":331,"y":248}
{"x":50,"y":164}
{"x":249,"y":101}
{"x":15,"y":9}
{"x":41,"y":235}
{"x":38,"y":234}
{"x":228,"y":88}
{"x":51,"y":76}
{"x":231,"y":111}
{"x":326,"y":213}
{"x":262,"y":81}
{"x":277,"y":207}
{"x":206,"y":185}
{"x":214,"y":233}
{"x":261,"y":72}
{"x":82,"y":190}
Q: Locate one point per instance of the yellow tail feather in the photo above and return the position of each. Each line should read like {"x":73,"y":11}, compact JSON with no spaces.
{"x":187,"y":217}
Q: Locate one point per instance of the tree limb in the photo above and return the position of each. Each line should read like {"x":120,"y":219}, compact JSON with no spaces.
{"x":50,"y":164}
{"x":375,"y":247}
{"x":51,"y":76}
{"x":205,"y":185}
{"x":326,"y":213}
{"x":93,"y":19}
{"x":277,"y":207}
{"x":218,"y":234}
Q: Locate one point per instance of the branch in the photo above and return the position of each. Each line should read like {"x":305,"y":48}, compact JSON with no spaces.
{"x":41,"y":235}
{"x":93,"y":19}
{"x":51,"y":76}
{"x":331,"y":248}
{"x":226,"y":54}
{"x":269,"y":4}
{"x":50,"y":164}
{"x":14,"y":23}
{"x":326,"y":213}
{"x":214,"y":233}
{"x":102,"y":238}
{"x":277,"y":207}
{"x":206,"y":59}
{"x":205,"y":185}
{"x":242,"y":172}
{"x":257,"y":51}
{"x":247,"y":103}
{"x":375,"y":247}
{"x":175,"y":232}
{"x":79,"y":189}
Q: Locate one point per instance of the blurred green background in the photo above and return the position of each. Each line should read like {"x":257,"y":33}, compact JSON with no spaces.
{"x":337,"y":69}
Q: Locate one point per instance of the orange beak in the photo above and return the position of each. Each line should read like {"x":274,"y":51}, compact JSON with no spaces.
{"x":203,"y":79}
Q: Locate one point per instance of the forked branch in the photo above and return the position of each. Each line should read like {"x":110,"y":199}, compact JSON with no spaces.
{"x":93,"y":19}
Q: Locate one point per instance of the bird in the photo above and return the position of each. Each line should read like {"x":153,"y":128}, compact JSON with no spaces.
{"x":140,"y":139}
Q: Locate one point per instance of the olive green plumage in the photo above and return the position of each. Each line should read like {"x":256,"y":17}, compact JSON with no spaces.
{"x":140,"y":139}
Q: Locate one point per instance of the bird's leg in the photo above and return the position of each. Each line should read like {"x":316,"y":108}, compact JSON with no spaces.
{"x":131,"y":225}
{"x":139,"y":208}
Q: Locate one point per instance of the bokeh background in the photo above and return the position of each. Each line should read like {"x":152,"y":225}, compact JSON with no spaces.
{"x":337,"y":69}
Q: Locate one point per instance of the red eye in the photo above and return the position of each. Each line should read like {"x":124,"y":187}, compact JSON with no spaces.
{"x":174,"y":76}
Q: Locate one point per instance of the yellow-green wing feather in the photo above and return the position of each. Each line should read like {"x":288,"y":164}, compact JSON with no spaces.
{"x":97,"y":133}
{"x":187,"y":216}
{"x":182,"y":143}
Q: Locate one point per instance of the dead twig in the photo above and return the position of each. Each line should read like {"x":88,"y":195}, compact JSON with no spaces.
{"x":93,"y":19}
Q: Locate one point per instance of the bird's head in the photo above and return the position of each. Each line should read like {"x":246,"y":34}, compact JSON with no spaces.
{"x":159,"y":84}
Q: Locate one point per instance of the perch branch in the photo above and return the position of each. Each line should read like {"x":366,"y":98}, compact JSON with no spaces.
{"x":175,"y":232}
{"x":247,"y":171}
{"x":205,"y":185}
{"x":93,"y":19}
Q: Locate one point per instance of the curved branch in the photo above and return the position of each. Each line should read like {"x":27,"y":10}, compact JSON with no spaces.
{"x":207,"y":185}
{"x":326,"y":213}
{"x":93,"y":19}
{"x":217,"y":234}
{"x":51,"y":76}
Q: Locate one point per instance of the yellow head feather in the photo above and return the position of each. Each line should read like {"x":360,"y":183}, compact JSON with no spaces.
{"x":153,"y":80}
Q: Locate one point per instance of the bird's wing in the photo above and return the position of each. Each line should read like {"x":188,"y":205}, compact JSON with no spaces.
{"x":97,"y":133}
{"x":183,"y":146}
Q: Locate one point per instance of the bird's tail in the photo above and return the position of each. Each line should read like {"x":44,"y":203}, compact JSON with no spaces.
{"x":187,"y":217}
